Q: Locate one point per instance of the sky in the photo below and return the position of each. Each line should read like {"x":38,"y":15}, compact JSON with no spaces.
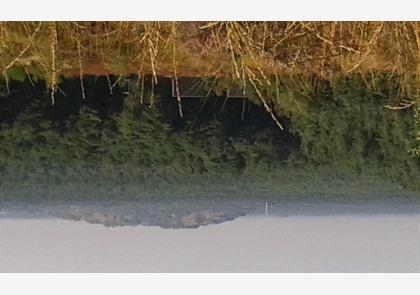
{"x":380,"y":243}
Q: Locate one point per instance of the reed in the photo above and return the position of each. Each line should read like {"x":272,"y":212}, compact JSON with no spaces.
{"x":255,"y":53}
{"x":320,"y":48}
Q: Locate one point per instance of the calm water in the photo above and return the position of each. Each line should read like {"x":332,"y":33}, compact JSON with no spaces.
{"x":306,"y":240}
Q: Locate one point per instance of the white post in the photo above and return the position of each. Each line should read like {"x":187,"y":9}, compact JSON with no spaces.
{"x":266,"y":208}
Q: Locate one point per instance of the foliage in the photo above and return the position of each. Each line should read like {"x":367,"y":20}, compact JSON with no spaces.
{"x":135,"y":145}
{"x":97,"y":141}
{"x":347,"y":125}
{"x":416,"y":148}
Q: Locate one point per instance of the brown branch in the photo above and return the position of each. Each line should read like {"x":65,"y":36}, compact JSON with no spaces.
{"x":25,"y":49}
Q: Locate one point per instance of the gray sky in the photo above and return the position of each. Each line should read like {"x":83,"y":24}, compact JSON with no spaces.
{"x":249,"y":244}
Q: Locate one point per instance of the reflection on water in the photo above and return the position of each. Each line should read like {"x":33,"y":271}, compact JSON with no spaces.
{"x":239,"y":236}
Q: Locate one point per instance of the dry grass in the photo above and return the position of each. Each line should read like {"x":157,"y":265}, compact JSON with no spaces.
{"x":321,"y":48}
{"x":253,"y":52}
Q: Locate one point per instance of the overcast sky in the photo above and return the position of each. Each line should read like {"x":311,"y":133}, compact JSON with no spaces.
{"x":250,"y":244}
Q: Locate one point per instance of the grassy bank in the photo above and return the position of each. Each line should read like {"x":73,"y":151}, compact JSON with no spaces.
{"x":245,"y":51}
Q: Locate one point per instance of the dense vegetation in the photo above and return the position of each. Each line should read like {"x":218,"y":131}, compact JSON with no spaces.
{"x":109,"y":139}
{"x":348,"y":125}
{"x":116,"y":141}
{"x":86,"y":103}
